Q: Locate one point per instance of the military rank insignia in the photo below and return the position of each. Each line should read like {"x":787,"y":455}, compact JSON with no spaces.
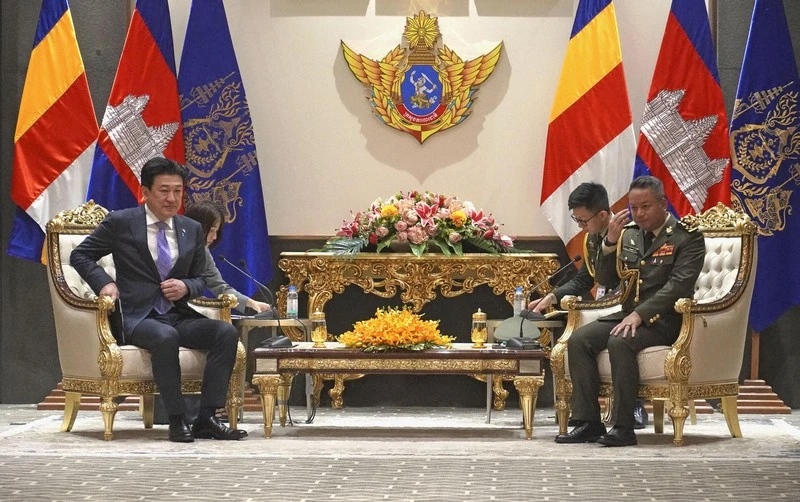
{"x":421,"y":87}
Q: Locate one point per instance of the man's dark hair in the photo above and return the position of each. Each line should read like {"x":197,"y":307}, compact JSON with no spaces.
{"x":649,"y":183}
{"x":160,"y":165}
{"x":207,"y":214}
{"x":593,"y":196}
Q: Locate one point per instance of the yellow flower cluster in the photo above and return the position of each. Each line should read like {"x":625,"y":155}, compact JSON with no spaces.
{"x":393,"y":329}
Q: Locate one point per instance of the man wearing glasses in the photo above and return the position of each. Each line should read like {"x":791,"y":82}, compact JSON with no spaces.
{"x":590,"y":209}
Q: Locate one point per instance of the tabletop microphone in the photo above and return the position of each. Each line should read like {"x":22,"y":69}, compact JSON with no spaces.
{"x":264,"y":290}
{"x":532,"y":315}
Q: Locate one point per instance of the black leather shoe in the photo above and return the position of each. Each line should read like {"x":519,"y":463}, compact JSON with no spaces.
{"x":640,"y":417}
{"x":619,"y":436}
{"x":212,"y":428}
{"x":179,"y":431}
{"x":588,"y":432}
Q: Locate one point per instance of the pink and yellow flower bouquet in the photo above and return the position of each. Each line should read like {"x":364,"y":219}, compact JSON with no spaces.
{"x":395,"y":329}
{"x":421,"y":219}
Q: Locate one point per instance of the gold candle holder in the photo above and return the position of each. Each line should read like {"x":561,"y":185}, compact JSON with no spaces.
{"x":479,"y":332}
{"x":319,"y":330}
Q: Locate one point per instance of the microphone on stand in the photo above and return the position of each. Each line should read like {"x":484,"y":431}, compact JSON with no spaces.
{"x":532,"y":315}
{"x":275,"y":341}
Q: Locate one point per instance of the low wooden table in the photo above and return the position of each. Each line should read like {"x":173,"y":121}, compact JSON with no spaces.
{"x":275,"y":369}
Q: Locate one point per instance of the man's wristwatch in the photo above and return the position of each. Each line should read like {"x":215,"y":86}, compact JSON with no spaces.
{"x":607,"y":243}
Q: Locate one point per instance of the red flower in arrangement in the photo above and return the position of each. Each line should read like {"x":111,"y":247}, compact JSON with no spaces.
{"x":421,"y":219}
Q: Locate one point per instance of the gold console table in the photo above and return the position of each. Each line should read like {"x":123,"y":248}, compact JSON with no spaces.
{"x":418,"y":279}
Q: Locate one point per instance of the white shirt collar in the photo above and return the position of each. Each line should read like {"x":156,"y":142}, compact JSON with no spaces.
{"x":151,"y":218}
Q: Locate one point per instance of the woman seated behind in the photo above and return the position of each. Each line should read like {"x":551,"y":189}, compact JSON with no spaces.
{"x":210,"y":217}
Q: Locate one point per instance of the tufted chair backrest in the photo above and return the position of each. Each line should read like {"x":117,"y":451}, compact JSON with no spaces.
{"x":66,"y":243}
{"x":720,"y":268}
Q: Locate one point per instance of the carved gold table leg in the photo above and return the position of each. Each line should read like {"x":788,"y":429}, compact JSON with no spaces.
{"x":283,"y":396}
{"x":500,"y":393}
{"x":528,"y":389}
{"x":72,"y":403}
{"x":268,"y":389}
{"x":317,"y":390}
{"x":336,"y":392}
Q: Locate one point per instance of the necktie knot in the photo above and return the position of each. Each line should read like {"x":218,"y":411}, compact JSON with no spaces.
{"x":162,"y":226}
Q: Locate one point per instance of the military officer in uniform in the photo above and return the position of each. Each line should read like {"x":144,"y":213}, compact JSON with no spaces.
{"x":660,"y":261}
{"x":591,"y":210}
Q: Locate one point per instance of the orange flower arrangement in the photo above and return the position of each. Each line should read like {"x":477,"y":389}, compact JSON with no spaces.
{"x":395,"y":329}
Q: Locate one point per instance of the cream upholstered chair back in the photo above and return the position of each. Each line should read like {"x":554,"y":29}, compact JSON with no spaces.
{"x":706,"y":359}
{"x":91,"y":361}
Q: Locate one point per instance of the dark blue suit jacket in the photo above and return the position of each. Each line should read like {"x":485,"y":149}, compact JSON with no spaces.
{"x":123,"y":234}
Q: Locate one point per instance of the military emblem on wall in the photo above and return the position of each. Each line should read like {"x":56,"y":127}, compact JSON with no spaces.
{"x":421,"y":86}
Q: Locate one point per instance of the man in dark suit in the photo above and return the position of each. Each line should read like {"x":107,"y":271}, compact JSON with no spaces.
{"x":159,"y":257}
{"x":660,"y":261}
{"x":591,"y":210}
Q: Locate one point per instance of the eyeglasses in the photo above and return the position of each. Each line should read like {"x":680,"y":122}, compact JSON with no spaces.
{"x":583,"y":222}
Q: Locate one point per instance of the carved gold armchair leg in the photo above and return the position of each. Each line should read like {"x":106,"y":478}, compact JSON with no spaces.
{"x":109,"y":409}
{"x":607,"y":409}
{"x":72,"y":403}
{"x":236,"y":387}
{"x":731,"y":412}
{"x":692,"y":412}
{"x":678,"y":414}
{"x":147,"y":409}
{"x":563,"y":396}
{"x":658,"y":416}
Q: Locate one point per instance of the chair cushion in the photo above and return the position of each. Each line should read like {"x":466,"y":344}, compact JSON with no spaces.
{"x":137,"y":365}
{"x":651,"y":364}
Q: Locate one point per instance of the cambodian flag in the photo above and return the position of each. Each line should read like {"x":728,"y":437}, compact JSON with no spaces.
{"x":142,"y":119}
{"x":590,"y":136}
{"x":55,"y":135}
{"x":220,"y":143}
{"x":683,"y":138}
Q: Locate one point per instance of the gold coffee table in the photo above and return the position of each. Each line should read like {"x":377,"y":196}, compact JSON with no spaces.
{"x":275,"y":369}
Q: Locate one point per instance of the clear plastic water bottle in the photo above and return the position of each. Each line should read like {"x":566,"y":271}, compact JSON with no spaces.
{"x":519,"y":301}
{"x":291,"y":303}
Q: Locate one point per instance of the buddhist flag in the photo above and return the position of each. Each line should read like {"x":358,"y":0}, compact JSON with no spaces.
{"x":55,"y":135}
{"x":765,"y":148}
{"x":220,"y":143}
{"x":683,"y":139}
{"x":590,"y":136}
{"x":142,"y":119}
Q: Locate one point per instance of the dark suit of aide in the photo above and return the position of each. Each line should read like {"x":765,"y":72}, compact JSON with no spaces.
{"x":667,"y":271}
{"x":123,"y":234}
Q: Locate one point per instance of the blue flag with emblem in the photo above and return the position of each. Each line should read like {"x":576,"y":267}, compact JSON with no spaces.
{"x":220,"y":143}
{"x":765,"y":148}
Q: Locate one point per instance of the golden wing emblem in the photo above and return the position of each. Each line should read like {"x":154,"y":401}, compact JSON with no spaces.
{"x":460,"y":77}
{"x":381,"y":76}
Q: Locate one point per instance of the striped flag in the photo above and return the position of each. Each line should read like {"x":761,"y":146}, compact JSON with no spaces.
{"x":590,"y":136}
{"x":142,"y":119}
{"x":220,"y":142}
{"x":683,"y":139}
{"x":765,"y":146}
{"x":56,"y":132}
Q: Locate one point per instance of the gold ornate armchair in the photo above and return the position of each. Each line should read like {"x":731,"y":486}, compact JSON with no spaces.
{"x":705,"y":360}
{"x":91,"y":361}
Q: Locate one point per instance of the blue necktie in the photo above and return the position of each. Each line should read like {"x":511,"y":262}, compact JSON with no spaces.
{"x":163,"y":264}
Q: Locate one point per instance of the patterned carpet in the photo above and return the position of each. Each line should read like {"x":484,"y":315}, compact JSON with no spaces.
{"x":409,"y":454}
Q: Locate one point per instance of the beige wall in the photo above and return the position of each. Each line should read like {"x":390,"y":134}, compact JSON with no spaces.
{"x":323,"y":154}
